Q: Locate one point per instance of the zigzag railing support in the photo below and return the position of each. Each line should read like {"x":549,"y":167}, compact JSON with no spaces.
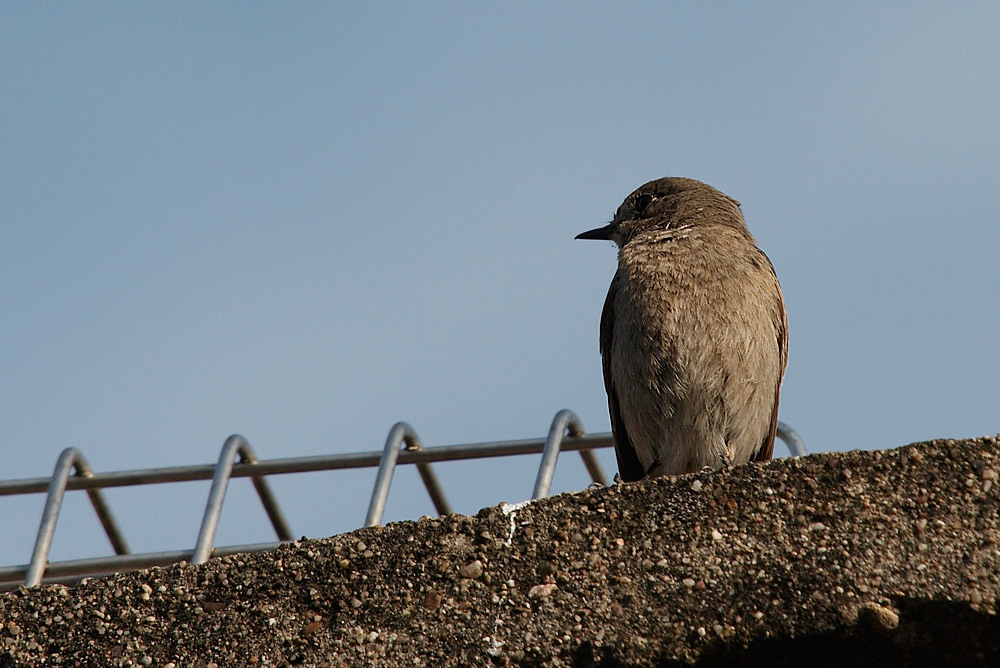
{"x":402,"y":446}
{"x":401,"y":434}
{"x":564,"y":423}
{"x":69,"y":458}
{"x":234,"y":445}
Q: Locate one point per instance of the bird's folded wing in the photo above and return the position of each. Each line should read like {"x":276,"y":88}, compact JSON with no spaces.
{"x":629,"y":467}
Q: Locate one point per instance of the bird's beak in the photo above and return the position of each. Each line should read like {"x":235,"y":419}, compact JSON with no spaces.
{"x":603,"y":233}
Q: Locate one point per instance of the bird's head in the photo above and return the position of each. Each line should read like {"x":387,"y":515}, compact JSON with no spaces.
{"x":665,"y":204}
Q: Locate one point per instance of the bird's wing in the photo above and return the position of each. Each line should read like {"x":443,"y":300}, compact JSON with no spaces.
{"x":767,"y":447}
{"x":629,"y":467}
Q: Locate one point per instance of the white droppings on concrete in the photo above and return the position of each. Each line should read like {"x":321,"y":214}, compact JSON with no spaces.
{"x":510,"y":509}
{"x":495,"y":644}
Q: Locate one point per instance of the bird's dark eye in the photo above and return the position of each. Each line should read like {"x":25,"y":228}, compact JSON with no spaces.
{"x":641,"y":202}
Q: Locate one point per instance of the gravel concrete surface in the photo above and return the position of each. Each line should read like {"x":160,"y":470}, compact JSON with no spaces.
{"x":861,"y":558}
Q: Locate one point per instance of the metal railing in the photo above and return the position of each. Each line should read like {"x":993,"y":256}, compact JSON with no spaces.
{"x":402,"y":446}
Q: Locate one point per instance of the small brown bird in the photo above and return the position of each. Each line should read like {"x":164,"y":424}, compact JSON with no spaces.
{"x":694,"y":337}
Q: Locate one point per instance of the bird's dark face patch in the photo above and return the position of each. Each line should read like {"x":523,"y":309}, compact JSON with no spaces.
{"x":636,"y":206}
{"x":642,"y":203}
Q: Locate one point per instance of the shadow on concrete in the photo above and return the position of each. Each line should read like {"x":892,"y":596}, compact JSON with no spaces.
{"x":930,"y":633}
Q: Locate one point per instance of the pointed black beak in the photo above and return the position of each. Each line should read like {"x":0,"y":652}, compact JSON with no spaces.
{"x":603,"y":233}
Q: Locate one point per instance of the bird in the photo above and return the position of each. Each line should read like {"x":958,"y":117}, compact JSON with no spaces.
{"x":693,"y":335}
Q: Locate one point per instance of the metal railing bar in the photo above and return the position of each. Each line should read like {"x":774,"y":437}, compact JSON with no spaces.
{"x":565,"y":433}
{"x":317,"y":463}
{"x":796,"y":447}
{"x":234,"y":445}
{"x":11,"y":577}
{"x":72,"y":570}
{"x":69,"y":458}
{"x":445,"y":453}
{"x":563,"y":421}
{"x":310,"y":464}
{"x":400,"y":434}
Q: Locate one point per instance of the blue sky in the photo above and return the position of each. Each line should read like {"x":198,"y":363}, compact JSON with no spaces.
{"x":305,"y":222}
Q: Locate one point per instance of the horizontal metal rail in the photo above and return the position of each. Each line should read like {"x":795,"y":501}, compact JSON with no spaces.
{"x":355,"y":460}
{"x":565,"y":433}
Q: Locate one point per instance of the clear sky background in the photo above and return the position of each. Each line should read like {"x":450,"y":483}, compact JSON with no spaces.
{"x":304,"y":222}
